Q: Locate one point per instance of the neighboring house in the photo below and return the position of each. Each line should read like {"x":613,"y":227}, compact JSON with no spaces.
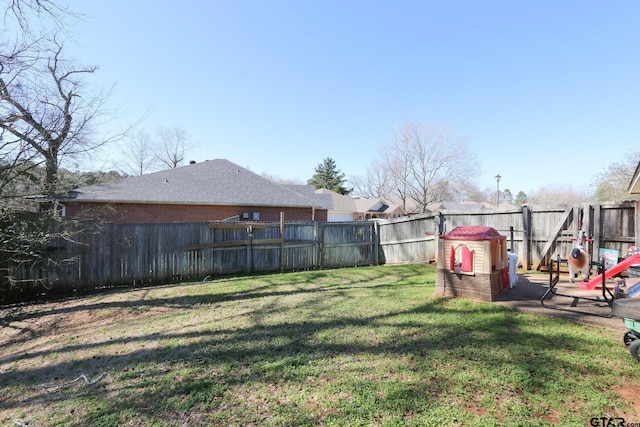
{"x":213,"y":190}
{"x":339,"y":207}
{"x":373,"y":208}
{"x":343,"y":208}
{"x":402,"y":208}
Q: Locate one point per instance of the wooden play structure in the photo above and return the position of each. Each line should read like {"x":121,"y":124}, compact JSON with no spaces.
{"x":472,"y":263}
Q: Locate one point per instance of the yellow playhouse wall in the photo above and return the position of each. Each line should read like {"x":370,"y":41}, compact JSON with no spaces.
{"x":485,"y":282}
{"x":481,"y":254}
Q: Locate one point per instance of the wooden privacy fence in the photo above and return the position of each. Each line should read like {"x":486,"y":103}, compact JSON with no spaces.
{"x":106,"y":255}
{"x":536,"y":234}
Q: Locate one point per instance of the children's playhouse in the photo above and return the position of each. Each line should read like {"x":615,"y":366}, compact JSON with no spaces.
{"x":473,"y":263}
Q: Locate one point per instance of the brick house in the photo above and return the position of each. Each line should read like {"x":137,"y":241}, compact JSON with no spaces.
{"x":213,"y":190}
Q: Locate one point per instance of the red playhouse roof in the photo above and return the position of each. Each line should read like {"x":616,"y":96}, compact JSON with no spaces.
{"x":473,"y":232}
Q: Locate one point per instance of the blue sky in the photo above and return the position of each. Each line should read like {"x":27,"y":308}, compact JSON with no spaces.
{"x":547,"y":92}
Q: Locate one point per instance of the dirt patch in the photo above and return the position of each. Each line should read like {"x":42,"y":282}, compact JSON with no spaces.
{"x":34,"y":335}
{"x":629,"y":393}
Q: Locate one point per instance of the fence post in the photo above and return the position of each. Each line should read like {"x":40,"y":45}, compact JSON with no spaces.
{"x":320,"y":231}
{"x":250,"y":250}
{"x":281,"y":242}
{"x":597,"y":230}
{"x":376,"y":243}
{"x":526,"y":237}
{"x":587,"y":226}
{"x":316,"y":246}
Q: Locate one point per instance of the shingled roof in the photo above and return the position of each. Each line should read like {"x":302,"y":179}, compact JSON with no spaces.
{"x":212,"y":182}
{"x":322,"y":200}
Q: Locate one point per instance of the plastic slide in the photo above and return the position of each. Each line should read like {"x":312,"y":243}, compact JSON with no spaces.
{"x":622,"y":265}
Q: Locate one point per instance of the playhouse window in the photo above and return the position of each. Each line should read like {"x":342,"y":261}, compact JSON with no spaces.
{"x":461,"y":259}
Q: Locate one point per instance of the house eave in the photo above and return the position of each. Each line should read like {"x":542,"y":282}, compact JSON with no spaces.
{"x":184,"y":202}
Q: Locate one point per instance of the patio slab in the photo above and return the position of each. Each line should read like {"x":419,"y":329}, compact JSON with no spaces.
{"x":526,"y":294}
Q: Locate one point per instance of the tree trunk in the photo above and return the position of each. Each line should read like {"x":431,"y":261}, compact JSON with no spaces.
{"x":51,"y":172}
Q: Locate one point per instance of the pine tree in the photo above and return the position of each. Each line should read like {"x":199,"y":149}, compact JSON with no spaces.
{"x":507,"y":196}
{"x":328,"y":176}
{"x":521,"y":198}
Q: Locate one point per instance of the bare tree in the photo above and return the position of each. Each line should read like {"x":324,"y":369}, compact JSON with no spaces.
{"x":558,"y":195}
{"x":612,"y":184}
{"x":25,"y":12}
{"x":45,"y":115}
{"x":45,"y":111}
{"x":16,"y":160}
{"x":139,"y":156}
{"x":375,"y":184}
{"x":428,"y":163}
{"x":396,"y":158}
{"x":280,"y":180}
{"x":173,"y":143}
{"x":476,"y":194}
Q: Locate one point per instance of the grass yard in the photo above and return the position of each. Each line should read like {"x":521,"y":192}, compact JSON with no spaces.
{"x":361,"y":346}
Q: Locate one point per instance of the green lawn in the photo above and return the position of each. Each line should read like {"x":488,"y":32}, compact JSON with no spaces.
{"x":361,"y":346}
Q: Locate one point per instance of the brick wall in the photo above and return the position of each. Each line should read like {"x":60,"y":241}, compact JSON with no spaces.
{"x":132,"y":213}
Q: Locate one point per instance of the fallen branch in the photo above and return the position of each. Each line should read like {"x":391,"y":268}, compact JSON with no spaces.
{"x":81,"y":377}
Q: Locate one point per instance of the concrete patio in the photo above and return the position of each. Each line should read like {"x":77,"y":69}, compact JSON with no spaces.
{"x":526,"y":294}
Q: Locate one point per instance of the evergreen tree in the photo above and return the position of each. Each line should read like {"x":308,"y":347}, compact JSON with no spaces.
{"x":521,"y":198}
{"x":507,"y":196}
{"x":328,"y":176}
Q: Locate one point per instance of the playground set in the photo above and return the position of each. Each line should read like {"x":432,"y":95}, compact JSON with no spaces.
{"x":473,"y":262}
{"x":620,"y":298}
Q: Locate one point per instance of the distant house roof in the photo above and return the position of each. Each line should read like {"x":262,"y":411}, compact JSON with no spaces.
{"x":212,"y":182}
{"x":407,"y":206}
{"x":323,"y":198}
{"x":340,"y":201}
{"x":371,"y":205}
{"x":333,"y":201}
{"x":326,"y":199}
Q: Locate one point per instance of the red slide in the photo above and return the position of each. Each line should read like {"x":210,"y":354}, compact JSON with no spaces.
{"x":622,"y":265}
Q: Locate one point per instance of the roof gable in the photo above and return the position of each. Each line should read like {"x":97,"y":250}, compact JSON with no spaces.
{"x":340,"y":202}
{"x":212,"y":182}
{"x":325,"y":198}
{"x":370,"y":205}
{"x":323,"y":201}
